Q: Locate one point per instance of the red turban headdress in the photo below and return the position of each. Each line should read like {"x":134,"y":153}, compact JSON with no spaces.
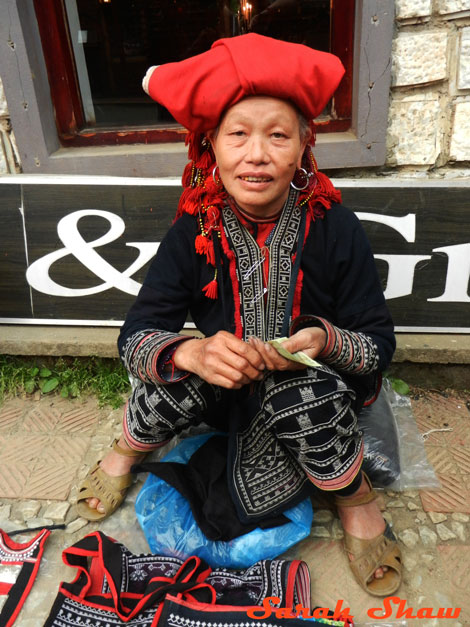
{"x":197,"y":91}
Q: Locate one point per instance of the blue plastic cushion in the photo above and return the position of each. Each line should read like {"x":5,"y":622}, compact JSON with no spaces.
{"x":170,"y":529}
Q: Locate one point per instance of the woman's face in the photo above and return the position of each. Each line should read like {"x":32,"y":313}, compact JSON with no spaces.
{"x":258,"y":148}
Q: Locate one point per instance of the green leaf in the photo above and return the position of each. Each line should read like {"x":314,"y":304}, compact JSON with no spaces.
{"x":50,"y":385}
{"x":44,"y":373}
{"x":30,"y":386}
{"x":401,"y":387}
{"x":34,"y":371}
{"x":64,"y":392}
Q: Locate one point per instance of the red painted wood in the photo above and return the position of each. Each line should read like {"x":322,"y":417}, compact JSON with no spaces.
{"x":60,"y":65}
{"x":342,"y":44}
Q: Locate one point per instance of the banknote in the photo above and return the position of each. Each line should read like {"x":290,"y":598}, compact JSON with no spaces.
{"x":299,"y":356}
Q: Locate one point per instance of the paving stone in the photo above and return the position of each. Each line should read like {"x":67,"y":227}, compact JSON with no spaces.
{"x":26,"y":510}
{"x":412,"y":494}
{"x":76,"y":525}
{"x":437,"y":517}
{"x":460,"y":517}
{"x":5,"y":511}
{"x":11,"y":525}
{"x":39,"y":522}
{"x":428,"y":537}
{"x":395,"y":504}
{"x":9,"y":416}
{"x":427,"y":559}
{"x":337,"y":531}
{"x":459,"y":530}
{"x":444,"y":532}
{"x":409,"y":538}
{"x":421,"y":516}
{"x":322,"y":516}
{"x":412,"y":506}
{"x":419,"y":58}
{"x":57,"y":511}
{"x":454,"y":496}
{"x":319,"y":532}
{"x":409,"y":562}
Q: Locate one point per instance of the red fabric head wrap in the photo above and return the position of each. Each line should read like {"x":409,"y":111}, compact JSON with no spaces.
{"x":198,"y":90}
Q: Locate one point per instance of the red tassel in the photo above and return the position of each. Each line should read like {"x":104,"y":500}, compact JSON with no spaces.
{"x":201,"y":244}
{"x":210,"y":290}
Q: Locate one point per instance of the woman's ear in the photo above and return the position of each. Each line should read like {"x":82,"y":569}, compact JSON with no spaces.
{"x":303,"y":146}
{"x":211,"y":136}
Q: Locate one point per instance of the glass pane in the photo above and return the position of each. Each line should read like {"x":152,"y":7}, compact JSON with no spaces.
{"x":115,"y":41}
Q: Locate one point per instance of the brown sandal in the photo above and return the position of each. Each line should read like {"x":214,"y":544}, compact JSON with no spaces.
{"x":368,"y":555}
{"x":110,"y":491}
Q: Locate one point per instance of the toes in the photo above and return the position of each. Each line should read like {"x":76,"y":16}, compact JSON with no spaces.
{"x":94,"y":503}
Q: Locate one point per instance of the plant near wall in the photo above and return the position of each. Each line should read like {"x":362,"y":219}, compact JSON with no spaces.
{"x":70,"y":378}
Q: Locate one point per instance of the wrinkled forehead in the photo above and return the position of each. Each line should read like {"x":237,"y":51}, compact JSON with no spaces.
{"x":261,"y":108}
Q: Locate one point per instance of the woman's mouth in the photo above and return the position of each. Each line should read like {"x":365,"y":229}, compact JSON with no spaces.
{"x":256,"y":179}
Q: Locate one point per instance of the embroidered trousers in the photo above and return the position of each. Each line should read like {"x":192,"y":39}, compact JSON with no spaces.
{"x":306,"y":419}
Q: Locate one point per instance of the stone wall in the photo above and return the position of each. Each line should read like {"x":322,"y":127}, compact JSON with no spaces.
{"x":9,"y":159}
{"x":429,"y":116}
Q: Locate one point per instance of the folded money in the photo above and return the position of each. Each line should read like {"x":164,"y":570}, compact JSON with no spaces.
{"x":299,"y":356}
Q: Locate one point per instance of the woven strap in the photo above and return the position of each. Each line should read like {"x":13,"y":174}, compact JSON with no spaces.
{"x":360,"y":499}
{"x":127,"y":452}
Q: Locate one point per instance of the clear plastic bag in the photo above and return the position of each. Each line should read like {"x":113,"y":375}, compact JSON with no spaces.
{"x":170,"y":528}
{"x":394,"y":454}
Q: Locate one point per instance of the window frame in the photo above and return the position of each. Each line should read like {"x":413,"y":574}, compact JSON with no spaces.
{"x":65,"y":92}
{"x":24,"y":74}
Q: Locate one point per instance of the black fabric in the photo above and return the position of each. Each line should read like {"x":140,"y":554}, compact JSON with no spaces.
{"x":203,"y":483}
{"x":116,"y":588}
{"x":340,"y":283}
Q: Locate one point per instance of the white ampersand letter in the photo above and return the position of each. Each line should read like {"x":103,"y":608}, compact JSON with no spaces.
{"x":37,"y":274}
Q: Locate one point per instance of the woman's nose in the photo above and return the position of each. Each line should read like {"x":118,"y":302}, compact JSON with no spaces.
{"x":257,"y":150}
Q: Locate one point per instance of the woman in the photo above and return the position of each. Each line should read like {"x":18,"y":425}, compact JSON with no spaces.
{"x":260,"y":249}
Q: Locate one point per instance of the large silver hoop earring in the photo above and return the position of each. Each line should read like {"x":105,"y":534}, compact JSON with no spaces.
{"x":217,"y":182}
{"x":301,"y":179}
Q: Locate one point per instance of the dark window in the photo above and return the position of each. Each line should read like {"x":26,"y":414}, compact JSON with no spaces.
{"x":97,"y":52}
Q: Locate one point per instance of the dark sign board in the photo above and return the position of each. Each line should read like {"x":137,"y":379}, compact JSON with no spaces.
{"x":75,"y":251}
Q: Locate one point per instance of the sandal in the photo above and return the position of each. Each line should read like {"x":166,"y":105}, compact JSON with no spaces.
{"x":368,"y":555}
{"x":110,"y":491}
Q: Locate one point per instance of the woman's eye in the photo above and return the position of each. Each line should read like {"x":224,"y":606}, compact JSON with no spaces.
{"x":238,"y":133}
{"x":279,"y":135}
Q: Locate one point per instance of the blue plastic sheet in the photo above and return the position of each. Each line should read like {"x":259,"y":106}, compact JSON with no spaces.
{"x":170,"y":529}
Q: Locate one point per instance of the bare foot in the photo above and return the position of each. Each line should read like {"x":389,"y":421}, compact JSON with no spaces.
{"x":363,"y":521}
{"x":115,"y":465}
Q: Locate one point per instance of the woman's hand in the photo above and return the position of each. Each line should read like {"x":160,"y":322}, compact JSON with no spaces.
{"x":222,"y":359}
{"x":310,"y":340}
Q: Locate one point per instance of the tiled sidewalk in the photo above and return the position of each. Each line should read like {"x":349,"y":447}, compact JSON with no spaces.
{"x":47,"y":445}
